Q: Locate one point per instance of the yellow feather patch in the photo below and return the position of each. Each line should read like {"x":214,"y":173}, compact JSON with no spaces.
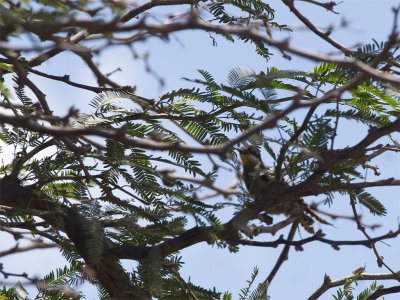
{"x":245,"y":158}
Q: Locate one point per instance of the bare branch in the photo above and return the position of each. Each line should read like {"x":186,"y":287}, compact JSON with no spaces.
{"x":327,"y":5}
{"x":284,"y":254}
{"x":384,"y":291}
{"x":37,"y":244}
{"x":379,"y":258}
{"x":324,"y":35}
{"x":320,"y":236}
{"x":67,"y":80}
{"x":328,"y":283}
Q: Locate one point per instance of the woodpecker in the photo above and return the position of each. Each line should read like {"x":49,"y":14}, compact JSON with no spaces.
{"x":258,"y":179}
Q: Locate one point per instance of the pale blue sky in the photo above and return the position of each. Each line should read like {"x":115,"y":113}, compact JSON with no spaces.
{"x":208,"y":266}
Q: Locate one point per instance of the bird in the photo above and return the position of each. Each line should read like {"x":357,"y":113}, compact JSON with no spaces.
{"x":258,"y":180}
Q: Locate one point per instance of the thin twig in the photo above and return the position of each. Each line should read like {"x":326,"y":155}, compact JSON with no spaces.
{"x":38,"y":244}
{"x":283,"y":256}
{"x":324,"y":35}
{"x":360,"y":227}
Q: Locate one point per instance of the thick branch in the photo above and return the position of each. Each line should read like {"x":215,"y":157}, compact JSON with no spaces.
{"x":384,"y":291}
{"x":108,"y":271}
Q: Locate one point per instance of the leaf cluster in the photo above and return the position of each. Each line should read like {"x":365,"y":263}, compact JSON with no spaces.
{"x":131,"y":196}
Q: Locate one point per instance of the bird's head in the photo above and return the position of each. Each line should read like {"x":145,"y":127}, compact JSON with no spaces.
{"x":250,"y":157}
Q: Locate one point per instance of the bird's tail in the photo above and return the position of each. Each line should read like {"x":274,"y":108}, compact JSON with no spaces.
{"x":311,"y":213}
{"x":307,"y":216}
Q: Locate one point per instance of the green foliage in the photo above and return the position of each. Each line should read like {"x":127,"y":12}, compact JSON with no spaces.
{"x":129,"y":186}
{"x":18,"y":292}
{"x":240,"y":12}
{"x":56,"y":285}
{"x":347,"y":291}
{"x":370,"y":202}
{"x":128,"y":181}
{"x":368,"y":52}
{"x":363,"y":295}
{"x":131,"y":195}
{"x":368,"y":117}
{"x":9,"y":294}
{"x":260,"y":293}
{"x":161,"y":276}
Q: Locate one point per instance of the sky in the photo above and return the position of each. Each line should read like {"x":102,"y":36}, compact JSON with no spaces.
{"x":181,"y":57}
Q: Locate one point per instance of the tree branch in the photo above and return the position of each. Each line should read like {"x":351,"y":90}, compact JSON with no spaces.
{"x":384,"y":291}
{"x":328,"y":283}
{"x":379,"y":258}
{"x":324,"y":35}
{"x":108,"y":271}
{"x":37,"y":244}
{"x":283,"y":256}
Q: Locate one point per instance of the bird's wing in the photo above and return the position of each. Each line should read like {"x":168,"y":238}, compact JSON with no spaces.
{"x":266,"y":174}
